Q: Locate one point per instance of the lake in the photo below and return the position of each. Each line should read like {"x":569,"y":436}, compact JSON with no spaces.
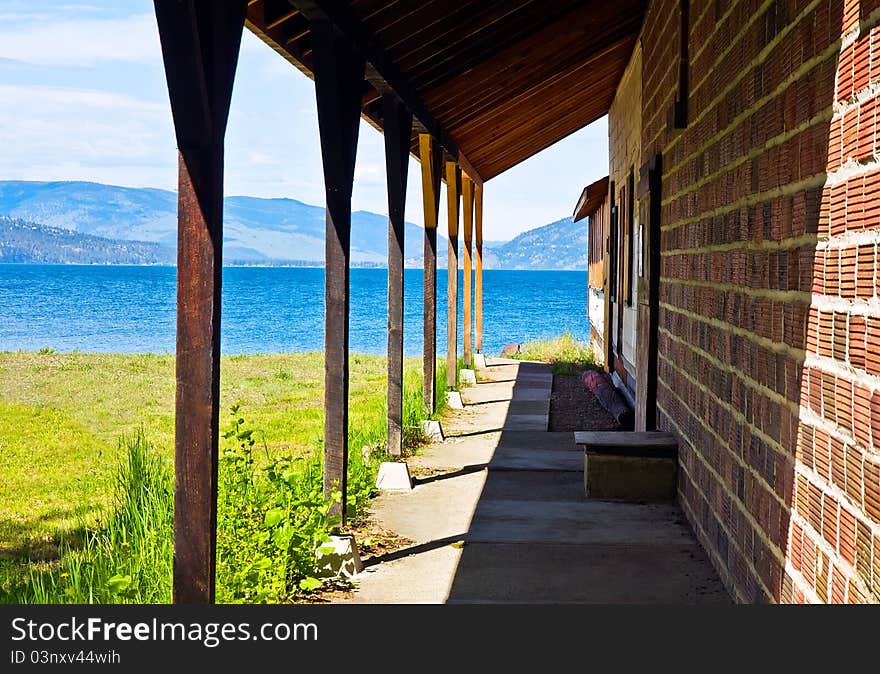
{"x":132,"y":309}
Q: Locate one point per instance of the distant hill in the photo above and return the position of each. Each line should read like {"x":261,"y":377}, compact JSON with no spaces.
{"x":256,"y":231}
{"x":28,"y":242}
{"x":559,"y":245}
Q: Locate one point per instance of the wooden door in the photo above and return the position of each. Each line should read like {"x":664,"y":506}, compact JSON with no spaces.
{"x":650,"y":187}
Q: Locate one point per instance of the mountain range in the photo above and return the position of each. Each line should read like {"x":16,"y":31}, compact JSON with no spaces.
{"x":82,"y":222}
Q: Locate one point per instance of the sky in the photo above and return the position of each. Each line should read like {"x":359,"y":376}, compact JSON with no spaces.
{"x":83,"y":97}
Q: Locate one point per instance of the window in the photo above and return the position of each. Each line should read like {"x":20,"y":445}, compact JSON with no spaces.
{"x":630,"y":227}
{"x":613,"y":252}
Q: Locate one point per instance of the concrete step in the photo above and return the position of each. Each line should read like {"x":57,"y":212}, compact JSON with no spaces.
{"x":629,"y":465}
{"x":506,"y":458}
{"x":519,"y":415}
{"x":510,"y":450}
{"x":630,"y":443}
{"x":496,"y":392}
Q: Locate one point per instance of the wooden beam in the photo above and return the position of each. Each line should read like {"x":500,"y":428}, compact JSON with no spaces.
{"x":431,"y":157}
{"x":339,"y":76}
{"x":468,"y":168}
{"x":478,"y":274}
{"x":397,"y":121}
{"x":467,"y":191}
{"x":298,"y":35}
{"x":453,"y":188}
{"x":200,"y":44}
{"x":382,"y":72}
{"x":289,"y":14}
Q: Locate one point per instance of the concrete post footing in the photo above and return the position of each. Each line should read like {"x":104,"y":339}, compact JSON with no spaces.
{"x":432,"y":430}
{"x":453,"y":399}
{"x":394,"y":476}
{"x":339,"y":558}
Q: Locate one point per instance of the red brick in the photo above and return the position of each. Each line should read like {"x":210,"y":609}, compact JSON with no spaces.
{"x":872,"y":490}
{"x":857,"y":333}
{"x":866,"y":275}
{"x":872,"y":353}
{"x":730,"y":304}
{"x":847,"y":536}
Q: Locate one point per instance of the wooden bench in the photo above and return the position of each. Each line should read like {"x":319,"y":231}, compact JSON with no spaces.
{"x":628,"y":465}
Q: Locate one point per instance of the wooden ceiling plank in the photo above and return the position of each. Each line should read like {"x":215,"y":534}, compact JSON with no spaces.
{"x":370,"y":9}
{"x":531,"y":123}
{"x":439,"y":71}
{"x":492,"y":142}
{"x":557,"y":47}
{"x":494,"y":161}
{"x":423,"y":18}
{"x":536,"y":103}
{"x":454,"y":60}
{"x":514,"y":91}
{"x":461,"y":28}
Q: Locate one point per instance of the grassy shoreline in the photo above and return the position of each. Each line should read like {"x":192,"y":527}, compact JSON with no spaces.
{"x":61,"y":416}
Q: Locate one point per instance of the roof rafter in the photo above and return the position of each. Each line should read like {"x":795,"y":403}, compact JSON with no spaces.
{"x":383,"y":74}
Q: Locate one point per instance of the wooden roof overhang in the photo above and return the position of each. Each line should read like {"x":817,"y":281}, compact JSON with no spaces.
{"x":493,"y":81}
{"x":591,"y":198}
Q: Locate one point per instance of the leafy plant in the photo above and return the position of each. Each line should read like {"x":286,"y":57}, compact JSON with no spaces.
{"x":272,"y":520}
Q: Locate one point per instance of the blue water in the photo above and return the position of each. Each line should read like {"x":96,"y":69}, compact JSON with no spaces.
{"x":132,"y":309}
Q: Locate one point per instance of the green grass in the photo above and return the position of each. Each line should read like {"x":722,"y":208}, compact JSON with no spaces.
{"x":125,"y":559}
{"x":565,"y":354}
{"x":61,"y":417}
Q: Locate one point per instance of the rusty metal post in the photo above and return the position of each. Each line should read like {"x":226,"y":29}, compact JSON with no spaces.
{"x":200,"y":44}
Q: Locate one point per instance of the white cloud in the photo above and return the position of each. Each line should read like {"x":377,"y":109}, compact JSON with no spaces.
{"x":261,"y":159}
{"x":53,"y":133}
{"x":369,"y":174}
{"x":82,"y":42}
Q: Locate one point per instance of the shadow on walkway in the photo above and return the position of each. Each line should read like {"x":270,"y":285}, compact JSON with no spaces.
{"x":503,"y":517}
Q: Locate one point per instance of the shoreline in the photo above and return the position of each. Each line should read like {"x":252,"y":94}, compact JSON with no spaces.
{"x":376,"y":267}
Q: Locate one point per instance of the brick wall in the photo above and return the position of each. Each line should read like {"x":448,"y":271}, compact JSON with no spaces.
{"x":769,"y":337}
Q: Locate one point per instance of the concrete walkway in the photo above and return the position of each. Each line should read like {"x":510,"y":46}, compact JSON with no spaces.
{"x":503,"y":518}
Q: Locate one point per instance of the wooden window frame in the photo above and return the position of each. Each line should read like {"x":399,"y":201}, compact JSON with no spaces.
{"x":628,"y":240}
{"x":613,"y":252}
